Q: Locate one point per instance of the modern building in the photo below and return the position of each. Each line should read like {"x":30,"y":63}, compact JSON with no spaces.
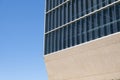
{"x":82,"y":39}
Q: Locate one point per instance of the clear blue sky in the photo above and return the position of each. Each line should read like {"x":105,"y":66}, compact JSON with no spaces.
{"x":21,"y":40}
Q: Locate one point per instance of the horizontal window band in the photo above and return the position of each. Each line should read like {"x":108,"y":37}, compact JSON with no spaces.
{"x":57,"y":6}
{"x":84,"y":16}
{"x":89,"y":31}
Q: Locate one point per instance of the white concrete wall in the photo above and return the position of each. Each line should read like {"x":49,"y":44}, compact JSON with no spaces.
{"x":96,"y":60}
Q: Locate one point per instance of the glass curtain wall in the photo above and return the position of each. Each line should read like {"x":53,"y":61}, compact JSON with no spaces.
{"x":67,"y":24}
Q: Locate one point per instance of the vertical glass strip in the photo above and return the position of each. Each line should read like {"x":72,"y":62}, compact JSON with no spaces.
{"x":71,"y":34}
{"x":85,"y":29}
{"x":79,"y":8}
{"x":75,"y":33}
{"x":102,"y":25}
{"x":71,"y":11}
{"x":84,"y":7}
{"x":96,"y":26}
{"x":90,"y":27}
{"x":114,"y":18}
{"x":66,"y":13}
{"x":55,"y":38}
{"x":108,"y":20}
{"x":66,"y":36}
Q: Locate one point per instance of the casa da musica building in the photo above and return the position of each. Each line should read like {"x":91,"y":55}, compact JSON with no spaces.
{"x":82,"y":39}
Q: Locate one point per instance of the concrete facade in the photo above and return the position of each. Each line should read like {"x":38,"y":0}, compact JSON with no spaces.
{"x":95,"y":60}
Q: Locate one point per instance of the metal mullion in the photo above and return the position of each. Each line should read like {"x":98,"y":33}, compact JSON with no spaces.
{"x":48,"y":28}
{"x":114,"y":15}
{"x":105,"y":21}
{"x":93,"y":26}
{"x":82,"y":7}
{"x":55,"y":19}
{"x":96,"y":26}
{"x":101,"y":22}
{"x":61,"y":44}
{"x":75,"y":11}
{"x":75,"y":33}
{"x":48,"y":44}
{"x":108,"y":20}
{"x":45,"y":51}
{"x":58,"y":40}
{"x":73,"y":16}
{"x":100,"y":1}
{"x":62,"y":16}
{"x":51,"y":4}
{"x":79,"y":8}
{"x":46,"y":23}
{"x":85,"y":29}
{"x":51,"y":41}
{"x":113,"y":18}
{"x":61,"y":1}
{"x":46,"y":5}
{"x":54,"y":3}
{"x":69,"y":38}
{"x":90,"y":33}
{"x":58,"y":2}
{"x":66,"y":36}
{"x":92,"y":5}
{"x":54,"y":41}
{"x":89,"y":5}
{"x":80,"y":33}
{"x":71,"y":34}
{"x":58,"y":17}
{"x":62,"y":38}
{"x":95,"y":4}
{"x":51,"y":21}
{"x":89,"y":28}
{"x":71,"y":11}
{"x":47,"y":47}
{"x":66,"y":13}
{"x":118,"y":16}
